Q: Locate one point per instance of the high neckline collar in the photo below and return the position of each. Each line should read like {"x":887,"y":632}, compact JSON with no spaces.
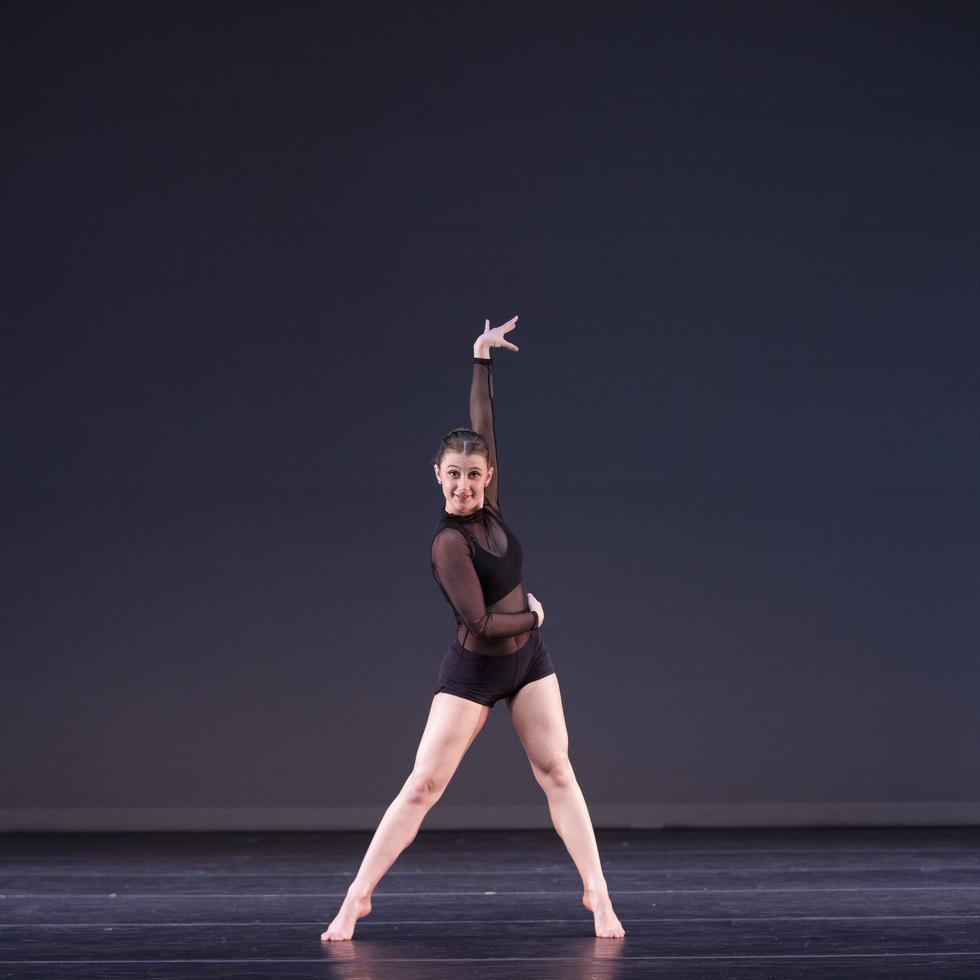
{"x":464,"y":518}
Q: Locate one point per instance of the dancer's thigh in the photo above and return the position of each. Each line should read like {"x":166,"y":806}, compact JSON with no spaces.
{"x":452,"y":725}
{"x":539,"y":720}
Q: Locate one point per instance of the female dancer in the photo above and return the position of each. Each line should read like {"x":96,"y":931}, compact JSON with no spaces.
{"x":498,"y":653}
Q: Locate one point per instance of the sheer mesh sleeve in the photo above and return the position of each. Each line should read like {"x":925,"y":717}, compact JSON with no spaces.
{"x":481,"y":420}
{"x":452,"y":566}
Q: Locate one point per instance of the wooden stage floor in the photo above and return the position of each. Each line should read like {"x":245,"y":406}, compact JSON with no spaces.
{"x":783,"y":904}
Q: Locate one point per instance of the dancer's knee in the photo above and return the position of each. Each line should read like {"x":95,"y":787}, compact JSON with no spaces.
{"x":423,"y":789}
{"x":555,"y":773}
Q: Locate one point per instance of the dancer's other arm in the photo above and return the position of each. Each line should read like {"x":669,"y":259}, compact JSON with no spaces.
{"x":454,"y":571}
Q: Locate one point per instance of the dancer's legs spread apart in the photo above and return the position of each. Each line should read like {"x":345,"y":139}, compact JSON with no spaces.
{"x":452,"y":725}
{"x":539,"y":720}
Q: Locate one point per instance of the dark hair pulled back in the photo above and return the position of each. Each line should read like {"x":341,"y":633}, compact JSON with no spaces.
{"x":467,"y":442}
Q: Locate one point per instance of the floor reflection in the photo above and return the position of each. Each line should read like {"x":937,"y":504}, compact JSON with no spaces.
{"x":564,"y":958}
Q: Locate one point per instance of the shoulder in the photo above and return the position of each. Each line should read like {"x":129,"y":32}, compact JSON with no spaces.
{"x":450,"y":542}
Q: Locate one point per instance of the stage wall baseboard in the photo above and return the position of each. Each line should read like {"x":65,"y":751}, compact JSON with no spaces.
{"x":604,"y":816}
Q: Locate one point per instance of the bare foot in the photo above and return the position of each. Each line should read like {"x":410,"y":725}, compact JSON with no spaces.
{"x":607,"y":926}
{"x":343,"y":924}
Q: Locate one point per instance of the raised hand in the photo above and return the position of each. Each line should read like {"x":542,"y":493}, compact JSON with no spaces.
{"x":495,"y":337}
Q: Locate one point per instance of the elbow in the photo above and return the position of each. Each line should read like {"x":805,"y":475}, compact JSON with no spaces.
{"x":480,"y":628}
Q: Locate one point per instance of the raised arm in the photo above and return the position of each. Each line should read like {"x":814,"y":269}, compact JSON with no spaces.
{"x":452,"y":566}
{"x":481,"y":396}
{"x":481,"y":419}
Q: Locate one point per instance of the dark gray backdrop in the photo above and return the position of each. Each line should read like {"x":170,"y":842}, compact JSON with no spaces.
{"x":246,"y":250}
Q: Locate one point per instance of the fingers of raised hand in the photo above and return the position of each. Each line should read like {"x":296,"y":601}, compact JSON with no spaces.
{"x":506,"y":328}
{"x":495,"y":336}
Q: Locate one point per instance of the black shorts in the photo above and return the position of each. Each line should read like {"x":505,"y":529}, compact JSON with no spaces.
{"x":486,"y":678}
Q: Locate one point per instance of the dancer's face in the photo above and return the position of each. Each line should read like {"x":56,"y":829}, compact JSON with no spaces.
{"x":463,"y":480}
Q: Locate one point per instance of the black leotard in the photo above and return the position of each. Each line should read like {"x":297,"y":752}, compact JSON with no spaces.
{"x":476,"y":559}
